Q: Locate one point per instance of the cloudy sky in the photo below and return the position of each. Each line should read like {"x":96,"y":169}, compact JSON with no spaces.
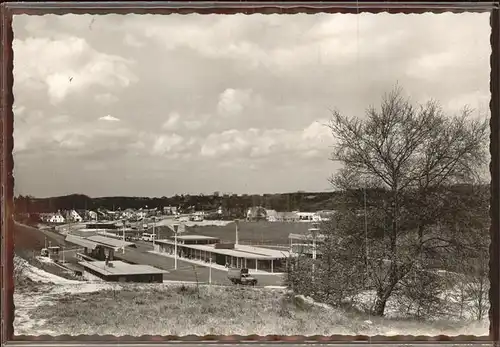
{"x":157,"y":105}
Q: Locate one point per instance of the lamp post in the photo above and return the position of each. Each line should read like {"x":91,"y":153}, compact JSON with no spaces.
{"x":176,"y":228}
{"x":314,"y":230}
{"x":237,"y":223}
{"x":154,"y":231}
{"x":123,"y":223}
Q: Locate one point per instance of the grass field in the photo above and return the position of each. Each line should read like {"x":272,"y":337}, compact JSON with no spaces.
{"x":179,"y":310}
{"x":253,"y":232}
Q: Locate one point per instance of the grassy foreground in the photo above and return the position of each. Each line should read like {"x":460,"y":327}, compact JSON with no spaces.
{"x":180,"y":310}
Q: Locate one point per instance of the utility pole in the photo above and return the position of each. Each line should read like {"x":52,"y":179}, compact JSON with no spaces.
{"x":154,"y":232}
{"x":210,"y":271}
{"x":236,"y":222}
{"x":123,"y":249}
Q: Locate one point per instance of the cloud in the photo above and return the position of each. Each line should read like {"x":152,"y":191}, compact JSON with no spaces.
{"x":232,"y":101}
{"x":62,"y":135}
{"x":172,"y":121}
{"x":313,"y":140}
{"x":248,"y":91}
{"x":132,"y":40}
{"x":109,"y":118}
{"x":168,"y":145}
{"x":67,"y":66}
{"x":106,"y":98}
{"x":193,"y":124}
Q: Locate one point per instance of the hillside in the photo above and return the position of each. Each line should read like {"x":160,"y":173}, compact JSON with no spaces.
{"x":48,"y":304}
{"x":27,"y":239}
{"x":173,"y":309}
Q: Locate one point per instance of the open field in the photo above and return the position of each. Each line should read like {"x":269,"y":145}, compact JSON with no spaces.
{"x":253,"y":232}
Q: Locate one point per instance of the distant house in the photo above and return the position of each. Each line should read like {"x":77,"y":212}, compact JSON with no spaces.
{"x":73,"y":216}
{"x":141,"y":214}
{"x":102,"y":214}
{"x":56,"y":218}
{"x":128,"y":213}
{"x":271,"y":216}
{"x":92,"y":215}
{"x":84,"y":214}
{"x":309,"y":217}
{"x":256,"y":213}
{"x":290,"y":217}
{"x":170,"y":210}
{"x":197,"y":216}
{"x":326,"y":215}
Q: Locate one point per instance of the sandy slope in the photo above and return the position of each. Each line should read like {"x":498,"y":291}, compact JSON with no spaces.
{"x":54,"y":306}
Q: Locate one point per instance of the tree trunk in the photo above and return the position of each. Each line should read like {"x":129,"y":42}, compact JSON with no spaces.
{"x":381,"y":302}
{"x":384,"y":292}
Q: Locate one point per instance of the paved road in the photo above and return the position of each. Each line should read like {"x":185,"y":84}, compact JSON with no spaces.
{"x":185,"y":270}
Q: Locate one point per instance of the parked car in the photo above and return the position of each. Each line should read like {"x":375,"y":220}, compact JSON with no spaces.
{"x":241,"y":276}
{"x":148,"y":237}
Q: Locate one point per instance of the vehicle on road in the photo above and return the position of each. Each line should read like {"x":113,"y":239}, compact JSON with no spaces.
{"x":241,"y":276}
{"x":51,"y":252}
{"x":148,"y":237}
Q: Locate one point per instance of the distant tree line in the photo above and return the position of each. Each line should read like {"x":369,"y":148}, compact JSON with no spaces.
{"x":231,"y":205}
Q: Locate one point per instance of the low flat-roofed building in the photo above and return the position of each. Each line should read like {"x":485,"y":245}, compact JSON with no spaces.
{"x":103,"y":225}
{"x":240,"y":256}
{"x":195,"y":239}
{"x":119,"y":271}
{"x":98,"y":247}
{"x":111,"y":242}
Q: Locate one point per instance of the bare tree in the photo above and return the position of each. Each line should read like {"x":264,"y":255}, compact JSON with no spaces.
{"x":411,"y":155}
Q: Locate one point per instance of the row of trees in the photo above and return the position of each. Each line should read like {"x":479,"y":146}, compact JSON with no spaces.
{"x":415,"y":174}
{"x":236,"y":205}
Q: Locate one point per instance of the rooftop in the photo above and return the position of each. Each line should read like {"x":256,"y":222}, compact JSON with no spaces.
{"x":81,"y":241}
{"x":196,"y":237}
{"x":93,"y":241}
{"x":319,"y":237}
{"x":120,"y":268}
{"x":108,"y":241}
{"x":242,"y":251}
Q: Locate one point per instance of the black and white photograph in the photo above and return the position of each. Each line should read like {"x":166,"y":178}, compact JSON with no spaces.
{"x":305,"y":174}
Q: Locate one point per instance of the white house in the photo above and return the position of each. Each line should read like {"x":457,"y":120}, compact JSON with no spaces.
{"x":74,"y":216}
{"x":309,"y":217}
{"x":56,"y":218}
{"x":141,"y":214}
{"x":198,"y":216}
{"x":170,"y":210}
{"x":271,"y":216}
{"x":93,"y":215}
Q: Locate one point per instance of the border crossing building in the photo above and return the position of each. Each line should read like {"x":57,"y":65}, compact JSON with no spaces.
{"x":97,"y":247}
{"x":210,"y":249}
{"x":119,"y":271}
